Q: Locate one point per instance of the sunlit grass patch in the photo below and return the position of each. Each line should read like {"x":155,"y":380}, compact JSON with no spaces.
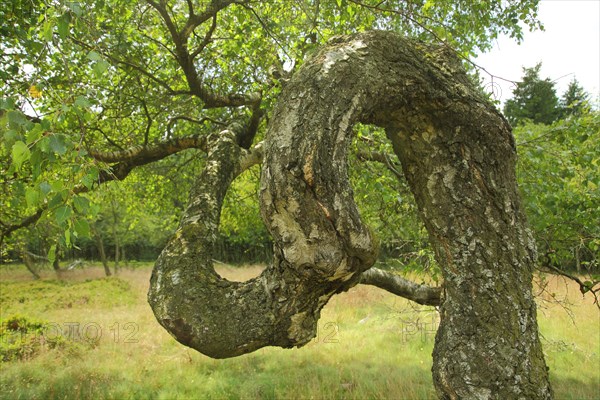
{"x":570,"y":329}
{"x":370,"y":344}
{"x":44,"y":295}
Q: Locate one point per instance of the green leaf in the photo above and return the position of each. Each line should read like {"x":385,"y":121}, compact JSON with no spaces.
{"x":55,"y":201}
{"x":81,"y":204}
{"x":62,"y":213}
{"x":7,"y":103}
{"x":100,"y":67}
{"x":94,"y":56}
{"x":82,"y":101}
{"x":36,"y":161}
{"x":44,"y":144}
{"x":94,"y":209}
{"x":34,"y":134}
{"x":46,"y":32}
{"x":32,"y":196}
{"x":68,"y":237}
{"x":63,"y":25}
{"x":58,"y":145}
{"x":82,"y":228}
{"x":10,"y":137}
{"x":350,"y":11}
{"x":20,"y":154}
{"x":45,"y":188}
{"x":16,"y":119}
{"x":91,"y":177}
{"x":58,"y":186}
{"x":76,"y":8}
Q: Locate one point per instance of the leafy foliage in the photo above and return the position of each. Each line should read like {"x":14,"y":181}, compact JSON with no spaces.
{"x":558,"y":175}
{"x":242,"y":235}
{"x":387,"y":204}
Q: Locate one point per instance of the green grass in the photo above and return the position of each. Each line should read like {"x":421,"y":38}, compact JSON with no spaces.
{"x":370,"y":345}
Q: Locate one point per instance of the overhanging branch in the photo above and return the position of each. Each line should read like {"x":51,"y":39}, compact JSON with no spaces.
{"x":162,"y":83}
{"x":206,"y":40}
{"x":195,"y":20}
{"x":143,"y":154}
{"x":126,"y":160}
{"x":8,"y":229}
{"x":592,"y":287}
{"x":419,"y":293}
{"x":366,"y":155}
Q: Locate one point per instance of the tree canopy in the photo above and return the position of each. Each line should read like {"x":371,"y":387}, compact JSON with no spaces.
{"x":560,"y":186}
{"x":89,"y":97}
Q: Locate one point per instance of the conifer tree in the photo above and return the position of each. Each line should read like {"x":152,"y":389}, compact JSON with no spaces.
{"x":574,"y":101}
{"x":534,"y":99}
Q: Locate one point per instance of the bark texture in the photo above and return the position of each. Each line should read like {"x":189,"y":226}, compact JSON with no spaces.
{"x":458,"y":155}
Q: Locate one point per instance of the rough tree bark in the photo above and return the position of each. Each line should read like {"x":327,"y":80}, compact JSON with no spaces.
{"x":458,"y":155}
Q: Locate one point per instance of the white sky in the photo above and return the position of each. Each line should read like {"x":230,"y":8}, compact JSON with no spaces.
{"x":569,"y":47}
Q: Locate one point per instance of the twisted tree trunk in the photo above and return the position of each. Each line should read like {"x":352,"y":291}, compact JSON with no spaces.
{"x":458,"y":155}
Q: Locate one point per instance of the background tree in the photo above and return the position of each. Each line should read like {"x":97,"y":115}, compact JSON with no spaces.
{"x":575,"y":101}
{"x":533,"y":99}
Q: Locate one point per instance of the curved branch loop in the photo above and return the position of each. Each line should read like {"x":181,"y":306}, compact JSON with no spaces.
{"x":458,"y":155}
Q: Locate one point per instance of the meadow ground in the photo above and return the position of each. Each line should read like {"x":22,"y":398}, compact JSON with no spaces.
{"x":86,"y":336}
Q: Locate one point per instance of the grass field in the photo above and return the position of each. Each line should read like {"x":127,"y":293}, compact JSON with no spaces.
{"x":86,"y":336}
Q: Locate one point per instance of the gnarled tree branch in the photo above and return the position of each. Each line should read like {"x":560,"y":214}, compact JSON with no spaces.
{"x":380,"y":157}
{"x":144,"y":154}
{"x":421,"y":294}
